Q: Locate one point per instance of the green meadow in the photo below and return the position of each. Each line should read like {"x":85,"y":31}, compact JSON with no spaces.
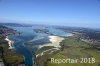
{"x":75,"y":48}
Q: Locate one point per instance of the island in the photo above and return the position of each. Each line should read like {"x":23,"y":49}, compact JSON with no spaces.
{"x":42,"y":30}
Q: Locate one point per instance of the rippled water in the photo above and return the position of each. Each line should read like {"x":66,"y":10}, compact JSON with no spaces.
{"x":36,"y":39}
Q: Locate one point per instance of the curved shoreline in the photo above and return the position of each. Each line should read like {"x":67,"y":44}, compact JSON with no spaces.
{"x":55,"y":41}
{"x":10,"y":42}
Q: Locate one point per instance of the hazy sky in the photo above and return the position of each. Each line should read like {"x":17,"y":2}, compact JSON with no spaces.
{"x":84,"y":13}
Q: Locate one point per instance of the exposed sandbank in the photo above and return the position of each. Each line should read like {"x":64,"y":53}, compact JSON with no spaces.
{"x":9,"y":42}
{"x":55,"y":41}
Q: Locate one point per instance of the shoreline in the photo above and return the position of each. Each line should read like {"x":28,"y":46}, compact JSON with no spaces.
{"x":10,"y":42}
{"x":69,"y":34}
{"x":55,"y":40}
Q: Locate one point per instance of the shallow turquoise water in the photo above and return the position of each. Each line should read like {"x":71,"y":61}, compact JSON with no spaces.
{"x":37,"y":39}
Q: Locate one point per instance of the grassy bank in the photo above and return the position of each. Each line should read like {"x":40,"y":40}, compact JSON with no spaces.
{"x":72,"y":47}
{"x":9,"y":56}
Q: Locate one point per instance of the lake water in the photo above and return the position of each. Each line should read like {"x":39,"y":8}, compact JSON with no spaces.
{"x":29,"y":36}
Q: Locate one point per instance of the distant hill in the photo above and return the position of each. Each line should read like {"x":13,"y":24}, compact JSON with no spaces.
{"x":86,"y":32}
{"x":2,"y":27}
{"x":15,"y":24}
{"x":6,"y":30}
